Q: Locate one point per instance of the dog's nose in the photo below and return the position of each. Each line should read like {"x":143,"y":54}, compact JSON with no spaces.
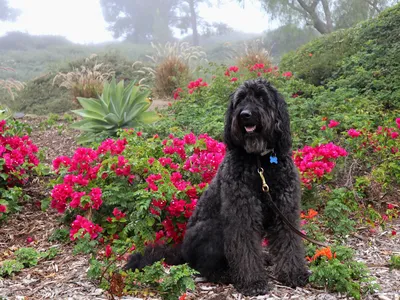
{"x":245,"y":114}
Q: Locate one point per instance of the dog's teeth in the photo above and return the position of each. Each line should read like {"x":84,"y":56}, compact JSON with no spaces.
{"x":250,"y":128}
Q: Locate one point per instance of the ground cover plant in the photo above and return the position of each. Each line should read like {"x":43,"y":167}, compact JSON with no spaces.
{"x":119,"y":194}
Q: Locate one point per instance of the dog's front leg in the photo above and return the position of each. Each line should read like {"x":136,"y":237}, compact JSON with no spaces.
{"x":286,"y":247}
{"x":242,"y":246}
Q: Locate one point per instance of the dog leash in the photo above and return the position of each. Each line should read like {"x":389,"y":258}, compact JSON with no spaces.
{"x":265,"y":189}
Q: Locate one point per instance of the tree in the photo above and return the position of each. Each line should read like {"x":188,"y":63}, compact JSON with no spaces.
{"x":140,"y":20}
{"x":7,"y":13}
{"x":324,"y":15}
{"x":152,"y":20}
{"x":189,"y":17}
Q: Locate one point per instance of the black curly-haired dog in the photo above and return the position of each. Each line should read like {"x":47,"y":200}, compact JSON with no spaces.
{"x":224,"y":235}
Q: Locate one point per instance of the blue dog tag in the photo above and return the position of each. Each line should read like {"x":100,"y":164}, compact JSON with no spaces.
{"x":273,"y":159}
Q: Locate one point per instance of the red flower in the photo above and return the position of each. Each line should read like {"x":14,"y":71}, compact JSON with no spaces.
{"x":108,"y":251}
{"x":3,"y":208}
{"x":323,"y":127}
{"x":390,"y":206}
{"x":182,"y":297}
{"x":29,"y":239}
{"x":234,"y":69}
{"x":233,"y":79}
{"x":394,"y":232}
{"x":287,"y":74}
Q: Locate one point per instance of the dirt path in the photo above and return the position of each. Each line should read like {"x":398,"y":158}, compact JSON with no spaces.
{"x":64,"y":277}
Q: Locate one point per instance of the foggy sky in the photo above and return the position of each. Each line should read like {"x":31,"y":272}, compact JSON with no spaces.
{"x":81,"y":21}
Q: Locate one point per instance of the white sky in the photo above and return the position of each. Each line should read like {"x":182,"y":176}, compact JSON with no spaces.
{"x":81,"y":21}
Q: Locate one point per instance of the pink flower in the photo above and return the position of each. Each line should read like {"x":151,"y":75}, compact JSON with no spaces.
{"x":353,"y":133}
{"x":83,"y":226}
{"x":233,"y":79}
{"x":3,"y":208}
{"x":333,"y":123}
{"x":398,"y":122}
{"x":95,"y":195}
{"x":323,"y":127}
{"x":29,"y":240}
{"x":390,"y":206}
{"x":394,"y":134}
{"x":118,"y":214}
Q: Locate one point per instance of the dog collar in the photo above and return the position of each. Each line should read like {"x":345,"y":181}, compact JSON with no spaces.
{"x":266,"y":151}
{"x":272,"y":158}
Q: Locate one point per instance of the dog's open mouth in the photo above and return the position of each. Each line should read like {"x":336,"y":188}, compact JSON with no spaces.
{"x":250,"y":129}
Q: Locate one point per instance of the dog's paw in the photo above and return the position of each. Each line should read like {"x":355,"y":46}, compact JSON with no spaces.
{"x":259,"y":287}
{"x":294,"y":278}
{"x":133,"y":262}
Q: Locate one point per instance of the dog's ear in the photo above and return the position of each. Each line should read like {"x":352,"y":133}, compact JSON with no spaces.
{"x":282,"y":125}
{"x":228,"y":124}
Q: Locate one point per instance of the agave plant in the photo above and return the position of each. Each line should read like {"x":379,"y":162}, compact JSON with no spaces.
{"x":118,"y":107}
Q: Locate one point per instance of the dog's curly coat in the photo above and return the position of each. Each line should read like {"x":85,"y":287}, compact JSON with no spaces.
{"x":224,"y":234}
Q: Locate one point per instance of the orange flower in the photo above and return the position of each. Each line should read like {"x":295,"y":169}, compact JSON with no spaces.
{"x":311,"y":214}
{"x":324,"y":118}
{"x":323,"y":252}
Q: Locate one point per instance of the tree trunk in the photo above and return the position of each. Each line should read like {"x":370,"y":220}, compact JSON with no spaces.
{"x":328,"y":15}
{"x":193,"y":21}
{"x":311,"y":11}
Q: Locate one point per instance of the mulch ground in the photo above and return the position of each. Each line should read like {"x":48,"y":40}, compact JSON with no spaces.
{"x":64,"y":277}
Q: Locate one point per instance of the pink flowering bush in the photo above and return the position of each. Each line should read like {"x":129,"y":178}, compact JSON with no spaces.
{"x":154,"y":182}
{"x":315,"y":162}
{"x":18,"y":158}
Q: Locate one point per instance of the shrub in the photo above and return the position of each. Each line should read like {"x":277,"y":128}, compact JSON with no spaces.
{"x":27,"y":256}
{"x":337,"y":270}
{"x":41,"y":97}
{"x":169,"y":75}
{"x":10,"y":266}
{"x":173,"y":64}
{"x":359,"y":58}
{"x":17,"y":160}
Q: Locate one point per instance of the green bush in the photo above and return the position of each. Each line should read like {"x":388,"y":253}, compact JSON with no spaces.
{"x":10,"y":266}
{"x":27,"y":256}
{"x":41,"y":97}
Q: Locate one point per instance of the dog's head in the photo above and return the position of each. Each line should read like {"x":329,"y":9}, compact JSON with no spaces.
{"x":257,"y":119}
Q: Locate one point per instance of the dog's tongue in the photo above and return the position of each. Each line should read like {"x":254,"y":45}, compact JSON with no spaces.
{"x":250,"y":128}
